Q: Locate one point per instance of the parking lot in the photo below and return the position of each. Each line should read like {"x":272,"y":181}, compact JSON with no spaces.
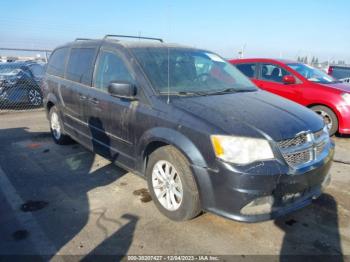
{"x":64,"y":200}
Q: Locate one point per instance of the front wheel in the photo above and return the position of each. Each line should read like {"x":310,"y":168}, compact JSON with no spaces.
{"x":172,"y":185}
{"x":329,"y":117}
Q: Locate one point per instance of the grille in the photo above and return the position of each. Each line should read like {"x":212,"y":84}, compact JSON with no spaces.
{"x":296,"y":141}
{"x":303,"y":148}
{"x":298,"y":158}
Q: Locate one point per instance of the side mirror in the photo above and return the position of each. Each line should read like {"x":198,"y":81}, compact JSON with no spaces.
{"x":289,"y":80}
{"x":122,"y":89}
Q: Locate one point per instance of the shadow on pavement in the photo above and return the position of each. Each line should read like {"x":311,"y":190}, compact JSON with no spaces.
{"x":63,"y":176}
{"x":312,"y":233}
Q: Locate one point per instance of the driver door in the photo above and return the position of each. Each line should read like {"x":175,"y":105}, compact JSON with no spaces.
{"x":270,"y":78}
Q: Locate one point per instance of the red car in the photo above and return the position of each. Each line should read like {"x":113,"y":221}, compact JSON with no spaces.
{"x":305,"y":85}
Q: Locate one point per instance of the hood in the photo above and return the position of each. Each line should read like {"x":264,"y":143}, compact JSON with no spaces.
{"x":244,"y":113}
{"x":340,"y":86}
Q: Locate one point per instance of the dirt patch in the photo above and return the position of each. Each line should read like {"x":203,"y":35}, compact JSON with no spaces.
{"x":145,"y":195}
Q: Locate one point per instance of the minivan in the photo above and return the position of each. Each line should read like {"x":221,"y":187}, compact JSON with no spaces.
{"x":200,"y":132}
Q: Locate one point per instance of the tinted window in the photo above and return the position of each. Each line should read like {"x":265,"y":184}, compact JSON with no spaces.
{"x":80,"y":65}
{"x":274,"y":73}
{"x":37,"y":70}
{"x":110,"y":68}
{"x":57,"y":62}
{"x":341,"y":73}
{"x":247,"y":69}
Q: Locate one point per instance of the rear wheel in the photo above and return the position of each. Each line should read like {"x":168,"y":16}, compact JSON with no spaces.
{"x":172,"y":185}
{"x":329,"y":117}
{"x":56,"y":128}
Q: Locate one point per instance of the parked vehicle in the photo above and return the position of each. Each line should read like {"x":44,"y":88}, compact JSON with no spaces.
{"x":19,"y":83}
{"x":305,"y":85}
{"x":342,"y":73}
{"x":198,"y":130}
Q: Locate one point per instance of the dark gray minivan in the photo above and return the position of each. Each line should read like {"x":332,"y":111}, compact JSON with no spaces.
{"x":201,"y":133}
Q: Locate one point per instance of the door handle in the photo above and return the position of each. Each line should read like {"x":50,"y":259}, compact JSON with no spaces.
{"x":82,"y":97}
{"x":93,"y":101}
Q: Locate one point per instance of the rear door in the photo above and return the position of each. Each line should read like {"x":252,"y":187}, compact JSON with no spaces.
{"x":270,"y":77}
{"x":75,"y":95}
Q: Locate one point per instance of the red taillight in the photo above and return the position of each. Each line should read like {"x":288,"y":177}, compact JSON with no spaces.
{"x":330,"y":70}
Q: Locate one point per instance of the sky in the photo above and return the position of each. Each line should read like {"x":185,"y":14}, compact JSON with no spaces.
{"x":269,"y":28}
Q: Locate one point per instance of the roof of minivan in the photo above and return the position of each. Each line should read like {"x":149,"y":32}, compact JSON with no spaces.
{"x":127,"y":44}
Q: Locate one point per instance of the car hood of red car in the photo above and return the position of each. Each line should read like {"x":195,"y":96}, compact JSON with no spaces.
{"x":340,"y":86}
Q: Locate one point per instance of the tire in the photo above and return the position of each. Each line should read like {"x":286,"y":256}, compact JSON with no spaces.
{"x":329,"y":117}
{"x":35,"y":97}
{"x":182,"y":208}
{"x":56,"y":128}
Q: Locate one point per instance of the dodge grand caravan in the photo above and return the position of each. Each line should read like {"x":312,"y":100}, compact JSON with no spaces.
{"x":200,"y":132}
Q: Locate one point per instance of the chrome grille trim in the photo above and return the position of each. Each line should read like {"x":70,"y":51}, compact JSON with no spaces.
{"x":304,"y":148}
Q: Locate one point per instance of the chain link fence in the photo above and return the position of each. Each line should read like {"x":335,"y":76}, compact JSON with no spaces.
{"x":21,"y":71}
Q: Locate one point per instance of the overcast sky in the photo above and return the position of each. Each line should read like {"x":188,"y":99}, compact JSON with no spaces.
{"x":270,"y":28}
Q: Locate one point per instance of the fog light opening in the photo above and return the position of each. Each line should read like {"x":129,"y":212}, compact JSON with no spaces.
{"x":261,"y":205}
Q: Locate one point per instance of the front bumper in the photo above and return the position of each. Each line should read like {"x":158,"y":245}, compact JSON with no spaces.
{"x":344,"y":119}
{"x":226,"y":190}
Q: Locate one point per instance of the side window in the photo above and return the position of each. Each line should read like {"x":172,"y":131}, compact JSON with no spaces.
{"x":80,"y":65}
{"x":57,"y":62}
{"x":272,"y":72}
{"x":249,"y":70}
{"x":110,"y":68}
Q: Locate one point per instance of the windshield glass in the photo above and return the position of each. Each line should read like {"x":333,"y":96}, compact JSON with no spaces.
{"x":312,"y":74}
{"x":6,"y":69}
{"x":190,"y":71}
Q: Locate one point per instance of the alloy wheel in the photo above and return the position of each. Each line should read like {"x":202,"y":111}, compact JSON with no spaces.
{"x":55,"y":126}
{"x":326,"y":118}
{"x":167,"y":185}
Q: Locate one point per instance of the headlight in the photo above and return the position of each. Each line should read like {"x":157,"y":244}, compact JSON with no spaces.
{"x":346,"y":98}
{"x":241,"y":150}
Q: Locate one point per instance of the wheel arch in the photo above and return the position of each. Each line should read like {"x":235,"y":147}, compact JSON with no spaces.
{"x":325,"y":105}
{"x":158,"y":137}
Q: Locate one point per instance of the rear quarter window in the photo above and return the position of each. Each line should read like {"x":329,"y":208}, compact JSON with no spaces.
{"x":80,"y":65}
{"x":57,"y":62}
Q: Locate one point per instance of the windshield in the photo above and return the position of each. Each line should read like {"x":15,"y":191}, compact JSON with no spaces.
{"x":6,"y":69}
{"x":190,"y":71}
{"x":312,"y":74}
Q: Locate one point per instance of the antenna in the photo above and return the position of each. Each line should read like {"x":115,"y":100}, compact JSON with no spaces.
{"x":169,"y":30}
{"x":168,"y":100}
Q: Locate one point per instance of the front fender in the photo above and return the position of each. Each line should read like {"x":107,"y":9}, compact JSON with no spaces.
{"x":171,"y":137}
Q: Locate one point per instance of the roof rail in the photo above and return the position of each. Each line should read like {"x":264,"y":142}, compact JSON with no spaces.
{"x":82,"y":39}
{"x":136,"y":37}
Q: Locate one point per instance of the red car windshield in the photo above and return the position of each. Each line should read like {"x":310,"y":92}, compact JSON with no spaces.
{"x":312,"y":74}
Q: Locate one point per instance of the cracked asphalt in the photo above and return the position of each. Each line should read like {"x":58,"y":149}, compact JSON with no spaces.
{"x":64,"y":200}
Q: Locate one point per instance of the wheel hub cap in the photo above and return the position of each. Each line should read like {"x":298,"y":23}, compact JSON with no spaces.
{"x":167,"y":185}
{"x":55,"y":125}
